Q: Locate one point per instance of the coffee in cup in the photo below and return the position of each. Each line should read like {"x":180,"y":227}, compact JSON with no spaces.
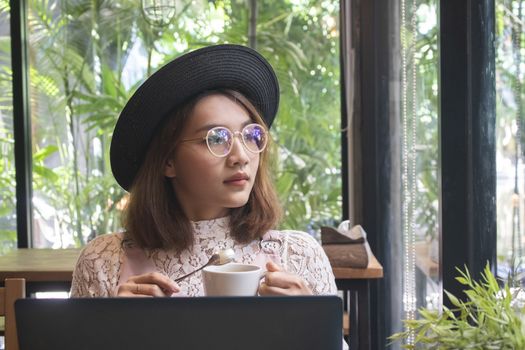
{"x":231,"y":279}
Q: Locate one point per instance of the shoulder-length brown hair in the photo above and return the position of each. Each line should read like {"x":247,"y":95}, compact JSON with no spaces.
{"x":154,"y":217}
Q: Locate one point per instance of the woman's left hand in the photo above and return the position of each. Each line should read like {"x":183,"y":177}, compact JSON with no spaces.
{"x":279,"y":282}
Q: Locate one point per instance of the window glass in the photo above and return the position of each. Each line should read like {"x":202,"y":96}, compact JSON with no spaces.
{"x":421,"y":139}
{"x":509,"y":138}
{"x":86,"y":60}
{"x":415,"y":74}
{"x":7,"y":151}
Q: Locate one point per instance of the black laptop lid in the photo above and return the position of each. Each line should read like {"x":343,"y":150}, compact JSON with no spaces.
{"x":246,"y":323}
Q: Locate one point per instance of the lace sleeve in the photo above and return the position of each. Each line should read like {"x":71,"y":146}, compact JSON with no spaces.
{"x":97,"y":269}
{"x":306,"y":258}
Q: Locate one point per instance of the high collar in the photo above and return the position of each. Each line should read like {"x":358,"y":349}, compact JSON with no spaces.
{"x":218,"y":228}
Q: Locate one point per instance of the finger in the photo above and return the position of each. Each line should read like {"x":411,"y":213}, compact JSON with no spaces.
{"x":129,"y":290}
{"x":283,"y":280}
{"x":131,"y":295}
{"x":163,"y":281}
{"x":273,"y":267}
{"x":149,"y":290}
{"x":265,"y":289}
{"x":124,"y":290}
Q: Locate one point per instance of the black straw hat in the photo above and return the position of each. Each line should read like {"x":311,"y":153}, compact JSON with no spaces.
{"x":232,"y":67}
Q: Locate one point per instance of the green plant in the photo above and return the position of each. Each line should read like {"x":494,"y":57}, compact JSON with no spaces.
{"x":88,"y":56}
{"x":490,"y":318}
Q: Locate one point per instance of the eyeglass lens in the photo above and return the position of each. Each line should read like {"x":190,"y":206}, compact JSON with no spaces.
{"x":220,"y":139}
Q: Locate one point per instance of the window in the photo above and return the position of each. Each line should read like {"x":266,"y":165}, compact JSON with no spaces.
{"x":7,"y":152}
{"x":510,"y":137}
{"x":414,"y":235}
{"x":86,"y":60}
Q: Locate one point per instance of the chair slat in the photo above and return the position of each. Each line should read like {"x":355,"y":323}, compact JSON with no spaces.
{"x":14,"y":289}
{"x":346,"y":324}
{"x":2,"y":301}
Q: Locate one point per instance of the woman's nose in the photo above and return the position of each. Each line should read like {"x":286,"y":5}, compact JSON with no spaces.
{"x":238,"y":154}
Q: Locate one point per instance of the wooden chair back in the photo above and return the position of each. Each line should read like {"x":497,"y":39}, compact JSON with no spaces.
{"x":14,"y":288}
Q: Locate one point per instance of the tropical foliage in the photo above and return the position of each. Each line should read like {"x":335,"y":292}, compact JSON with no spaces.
{"x":7,"y":168}
{"x":425,"y":54}
{"x":509,"y":134}
{"x":87,"y":57}
{"x":490,"y":317}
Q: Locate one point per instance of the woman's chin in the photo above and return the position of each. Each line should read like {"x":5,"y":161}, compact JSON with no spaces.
{"x":237,"y":203}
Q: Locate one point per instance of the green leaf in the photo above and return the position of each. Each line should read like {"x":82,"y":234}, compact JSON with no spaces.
{"x":486,"y":321}
{"x":453,"y":299}
{"x":41,"y":154}
{"x":45,"y":172}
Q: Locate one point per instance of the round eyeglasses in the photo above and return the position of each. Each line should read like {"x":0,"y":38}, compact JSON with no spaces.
{"x":220,"y":139}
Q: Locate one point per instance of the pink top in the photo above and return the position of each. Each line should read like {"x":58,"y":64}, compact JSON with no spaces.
{"x":104,"y":263}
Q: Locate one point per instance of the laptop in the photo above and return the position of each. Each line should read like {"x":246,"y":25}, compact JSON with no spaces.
{"x":205,"y":323}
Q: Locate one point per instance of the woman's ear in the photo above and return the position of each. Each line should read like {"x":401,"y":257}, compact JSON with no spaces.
{"x":169,"y":169}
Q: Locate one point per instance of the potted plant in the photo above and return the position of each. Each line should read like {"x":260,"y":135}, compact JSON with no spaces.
{"x":492,"y":317}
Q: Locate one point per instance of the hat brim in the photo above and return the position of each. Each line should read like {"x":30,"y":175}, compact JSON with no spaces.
{"x":232,"y":67}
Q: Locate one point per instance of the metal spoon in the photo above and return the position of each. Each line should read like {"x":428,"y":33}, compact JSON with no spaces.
{"x":220,"y":257}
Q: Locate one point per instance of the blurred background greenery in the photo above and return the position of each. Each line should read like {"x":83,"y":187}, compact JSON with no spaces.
{"x":88,"y":56}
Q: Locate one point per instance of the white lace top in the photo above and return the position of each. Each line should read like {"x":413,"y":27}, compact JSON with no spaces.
{"x":104,"y":263}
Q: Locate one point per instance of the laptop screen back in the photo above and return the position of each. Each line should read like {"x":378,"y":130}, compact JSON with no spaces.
{"x":246,"y":323}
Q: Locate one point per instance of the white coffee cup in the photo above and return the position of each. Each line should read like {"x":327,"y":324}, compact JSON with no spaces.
{"x":231,"y":279}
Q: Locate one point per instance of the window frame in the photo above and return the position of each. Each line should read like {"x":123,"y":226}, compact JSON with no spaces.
{"x":22,"y":123}
{"x":467,"y":219}
{"x":467,"y":104}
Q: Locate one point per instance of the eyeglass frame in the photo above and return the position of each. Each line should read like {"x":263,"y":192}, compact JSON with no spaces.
{"x":234,"y":134}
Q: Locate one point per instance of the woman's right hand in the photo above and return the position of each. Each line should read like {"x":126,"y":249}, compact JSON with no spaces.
{"x":151,"y":284}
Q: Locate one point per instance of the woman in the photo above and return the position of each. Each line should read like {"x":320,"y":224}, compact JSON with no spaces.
{"x":191,"y":147}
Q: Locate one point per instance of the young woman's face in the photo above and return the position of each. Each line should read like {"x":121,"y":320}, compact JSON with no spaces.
{"x":208,"y":186}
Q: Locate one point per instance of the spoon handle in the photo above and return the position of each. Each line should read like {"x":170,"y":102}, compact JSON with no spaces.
{"x":213,"y":260}
{"x":189,"y":274}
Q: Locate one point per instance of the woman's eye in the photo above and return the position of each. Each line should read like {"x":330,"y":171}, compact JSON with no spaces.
{"x":216,"y":140}
{"x":253,"y":136}
{"x":250,"y":137}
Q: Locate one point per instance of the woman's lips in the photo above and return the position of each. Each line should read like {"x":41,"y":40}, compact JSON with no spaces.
{"x":240,"y":182}
{"x":237,"y":180}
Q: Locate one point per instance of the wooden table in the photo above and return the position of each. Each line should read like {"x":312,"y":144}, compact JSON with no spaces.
{"x":43,"y":269}
{"x":52,"y":270}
